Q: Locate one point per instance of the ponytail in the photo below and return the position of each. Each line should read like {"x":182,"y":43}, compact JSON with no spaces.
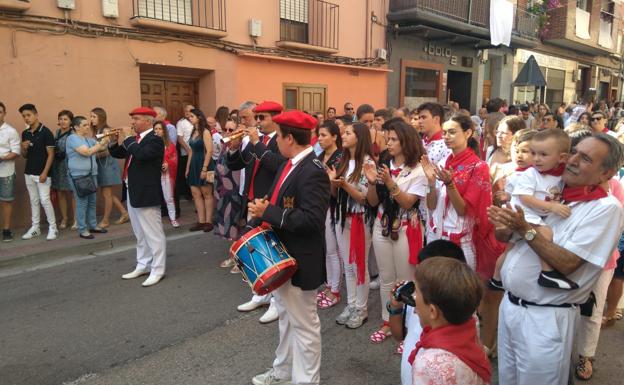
{"x":473,"y":144}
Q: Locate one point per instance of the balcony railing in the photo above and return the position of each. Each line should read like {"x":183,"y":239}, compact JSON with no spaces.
{"x":473,"y":12}
{"x":311,"y":22}
{"x":196,"y":13}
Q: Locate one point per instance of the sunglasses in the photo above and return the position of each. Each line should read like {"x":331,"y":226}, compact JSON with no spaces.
{"x":259,"y":117}
{"x":349,"y":109}
{"x":229,"y":130}
{"x":595,"y":118}
{"x":546,"y":120}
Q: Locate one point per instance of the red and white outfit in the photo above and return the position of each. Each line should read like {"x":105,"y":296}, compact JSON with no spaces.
{"x":437,"y":152}
{"x":535,"y":342}
{"x":545,"y":186}
{"x":168,"y":178}
{"x":354,"y":239}
{"x":397,"y":259}
{"x":472,"y":231}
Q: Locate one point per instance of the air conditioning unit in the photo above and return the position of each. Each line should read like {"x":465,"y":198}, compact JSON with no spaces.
{"x":382,"y":54}
{"x":66,"y":4}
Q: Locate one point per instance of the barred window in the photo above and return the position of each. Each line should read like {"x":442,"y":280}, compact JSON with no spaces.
{"x":177,"y":11}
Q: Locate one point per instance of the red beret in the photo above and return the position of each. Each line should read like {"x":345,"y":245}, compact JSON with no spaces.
{"x":143,"y":111}
{"x":268,"y":106}
{"x":296,"y":119}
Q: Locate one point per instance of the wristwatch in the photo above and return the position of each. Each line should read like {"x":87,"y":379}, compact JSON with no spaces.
{"x":530,"y":235}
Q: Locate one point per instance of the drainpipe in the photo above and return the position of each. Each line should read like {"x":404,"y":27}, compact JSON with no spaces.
{"x":368,"y":27}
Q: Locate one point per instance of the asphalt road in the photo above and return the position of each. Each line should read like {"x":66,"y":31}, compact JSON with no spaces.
{"x":80,"y":323}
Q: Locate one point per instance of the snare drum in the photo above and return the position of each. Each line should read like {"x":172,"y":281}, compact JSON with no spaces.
{"x":263,"y":260}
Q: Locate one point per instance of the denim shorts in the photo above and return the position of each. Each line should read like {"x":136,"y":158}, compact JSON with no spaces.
{"x":7,"y":188}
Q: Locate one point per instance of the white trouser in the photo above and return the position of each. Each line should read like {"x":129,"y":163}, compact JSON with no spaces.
{"x":40,"y":193}
{"x":298,"y":355}
{"x":535,"y":344}
{"x":465,"y":243}
{"x":357,"y":295}
{"x":167,"y":189}
{"x":151,"y":242}
{"x":589,"y":327}
{"x":332,"y":259}
{"x":393,"y":262}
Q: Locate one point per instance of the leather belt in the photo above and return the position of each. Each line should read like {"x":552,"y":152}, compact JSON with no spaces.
{"x":520,"y":302}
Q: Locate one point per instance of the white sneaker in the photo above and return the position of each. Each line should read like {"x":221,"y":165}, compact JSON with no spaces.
{"x":268,"y":378}
{"x":374,"y":284}
{"x":31,"y":233}
{"x":52,"y":234}
{"x":252,"y":305}
{"x":135,"y":273}
{"x":175,"y":223}
{"x":270,"y":315}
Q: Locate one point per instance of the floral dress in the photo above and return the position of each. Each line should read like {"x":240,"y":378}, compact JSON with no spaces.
{"x":229,"y":202}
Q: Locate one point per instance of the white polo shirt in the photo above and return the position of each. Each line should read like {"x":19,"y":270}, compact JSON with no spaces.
{"x":591,"y":232}
{"x":184,"y":128}
{"x":9,"y":142}
{"x":541,"y":186}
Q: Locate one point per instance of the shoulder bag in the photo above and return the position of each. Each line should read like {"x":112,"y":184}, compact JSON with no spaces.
{"x":85,"y":185}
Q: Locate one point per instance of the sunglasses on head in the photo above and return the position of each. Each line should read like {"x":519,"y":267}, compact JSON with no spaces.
{"x":259,"y":117}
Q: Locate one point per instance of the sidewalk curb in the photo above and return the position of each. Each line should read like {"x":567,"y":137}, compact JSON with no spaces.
{"x":91,"y":248}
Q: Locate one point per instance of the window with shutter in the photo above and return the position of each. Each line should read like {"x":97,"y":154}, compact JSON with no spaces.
{"x":177,"y":11}
{"x":294,"y":10}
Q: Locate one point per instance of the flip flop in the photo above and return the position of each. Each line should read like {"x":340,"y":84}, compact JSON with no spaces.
{"x":380,"y":336}
{"x":584,"y":369}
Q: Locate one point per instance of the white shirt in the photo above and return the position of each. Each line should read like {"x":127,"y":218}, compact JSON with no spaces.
{"x":361,"y":185}
{"x":412,"y":181}
{"x":412,"y":324}
{"x":217,"y":146}
{"x":591,"y":232}
{"x":9,"y":143}
{"x":511,"y":181}
{"x":437,"y":151}
{"x":184,"y":128}
{"x":541,"y":186}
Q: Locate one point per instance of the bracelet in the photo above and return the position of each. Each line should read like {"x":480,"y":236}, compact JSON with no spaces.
{"x":450,"y":186}
{"x":392,"y":311}
{"x":395,"y":191}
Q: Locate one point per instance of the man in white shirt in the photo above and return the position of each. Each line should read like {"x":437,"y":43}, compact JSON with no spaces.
{"x":9,"y":151}
{"x":537,"y":324}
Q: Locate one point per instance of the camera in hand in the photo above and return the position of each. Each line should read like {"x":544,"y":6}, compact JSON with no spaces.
{"x":404,"y":293}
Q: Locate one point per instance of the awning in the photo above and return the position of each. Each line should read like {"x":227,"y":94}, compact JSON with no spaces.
{"x":530,"y":75}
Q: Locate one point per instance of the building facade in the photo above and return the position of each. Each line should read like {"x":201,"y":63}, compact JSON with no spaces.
{"x":117,"y":54}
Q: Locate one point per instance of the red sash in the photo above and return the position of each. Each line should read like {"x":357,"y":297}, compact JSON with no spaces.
{"x":357,"y":246}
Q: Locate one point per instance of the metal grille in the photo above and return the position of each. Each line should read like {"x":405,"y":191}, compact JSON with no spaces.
{"x":198,"y":13}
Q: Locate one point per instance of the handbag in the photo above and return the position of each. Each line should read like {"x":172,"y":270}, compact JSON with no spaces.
{"x":209,"y":176}
{"x":85,"y":185}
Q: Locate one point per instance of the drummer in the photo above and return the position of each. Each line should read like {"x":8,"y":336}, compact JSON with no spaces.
{"x":296,"y":210}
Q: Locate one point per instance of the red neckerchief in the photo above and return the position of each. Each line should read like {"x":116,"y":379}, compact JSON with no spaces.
{"x":557,"y":171}
{"x":314,"y":140}
{"x":396,"y":171}
{"x":583,"y":193}
{"x":167,"y":122}
{"x":436,"y":136}
{"x":461,"y":341}
{"x":522,"y":168}
{"x":605,"y":130}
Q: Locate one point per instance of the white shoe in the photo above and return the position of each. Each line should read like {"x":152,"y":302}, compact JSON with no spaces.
{"x":175,"y":223}
{"x":135,"y":273}
{"x":252,"y":305}
{"x":374,"y":284}
{"x":31,"y":233}
{"x":268,"y":378}
{"x":52,"y":234}
{"x":270,"y":315}
{"x":152,"y":280}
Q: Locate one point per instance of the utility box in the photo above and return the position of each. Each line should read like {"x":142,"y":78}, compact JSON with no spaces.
{"x":110,"y":8}
{"x":255,"y":28}
{"x":66,"y":4}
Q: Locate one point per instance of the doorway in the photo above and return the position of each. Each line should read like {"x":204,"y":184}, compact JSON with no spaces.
{"x":459,"y":86}
{"x":172,"y":94}
{"x":305,"y":97}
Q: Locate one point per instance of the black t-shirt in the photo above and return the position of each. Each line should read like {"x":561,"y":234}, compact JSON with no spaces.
{"x":37,"y":155}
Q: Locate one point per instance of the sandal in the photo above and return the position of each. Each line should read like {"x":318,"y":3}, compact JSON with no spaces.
{"x":63,"y":224}
{"x":235,"y":270}
{"x":618,"y":315}
{"x":380,"y":335}
{"x":584,"y":369}
{"x":328,"y":302}
{"x":322,"y":294}
{"x":122,"y":219}
{"x":399,"y":349}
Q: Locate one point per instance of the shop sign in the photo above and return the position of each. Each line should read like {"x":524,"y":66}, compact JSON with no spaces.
{"x":432,"y":49}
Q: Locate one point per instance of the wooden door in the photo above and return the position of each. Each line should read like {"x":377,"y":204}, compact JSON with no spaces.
{"x":171,"y":94}
{"x":305,"y":97}
{"x":487,"y":89}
